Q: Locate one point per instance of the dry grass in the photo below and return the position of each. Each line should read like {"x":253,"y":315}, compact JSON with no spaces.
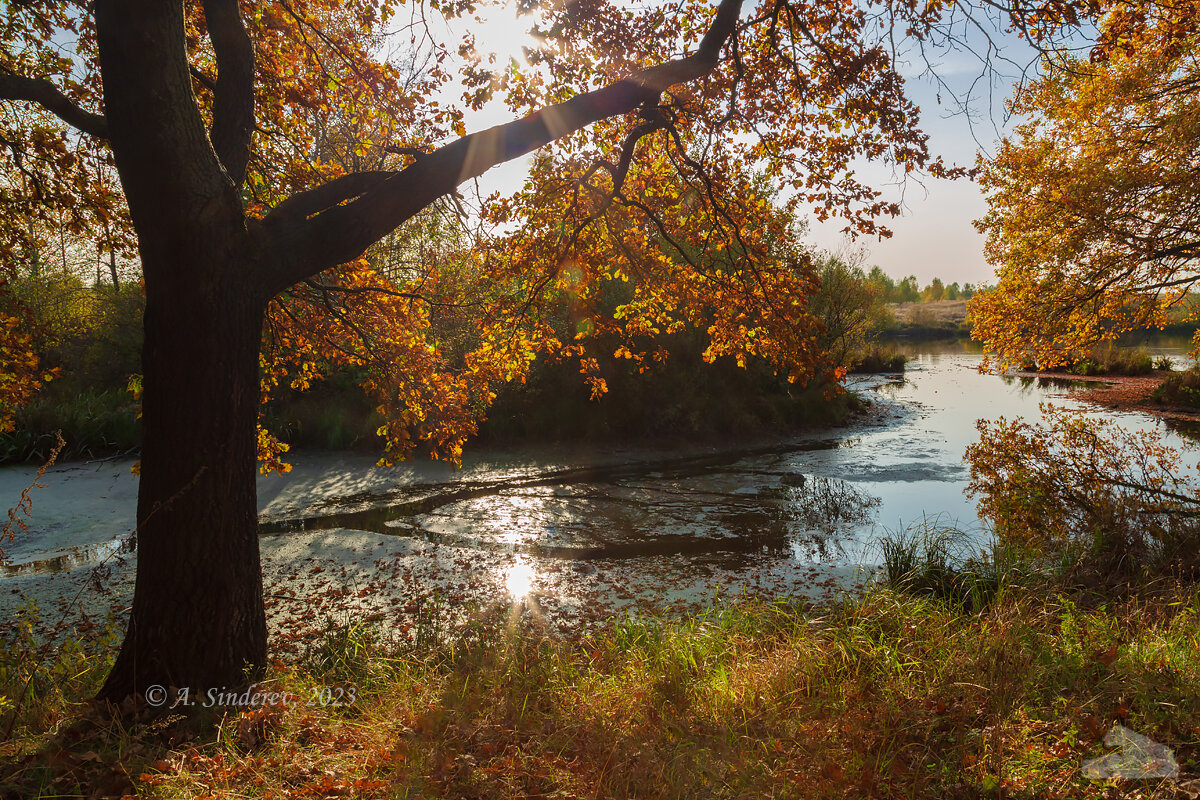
{"x":939,"y":312}
{"x":886,"y":696}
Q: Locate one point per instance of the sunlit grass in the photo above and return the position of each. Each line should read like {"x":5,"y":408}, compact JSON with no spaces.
{"x":886,"y":695}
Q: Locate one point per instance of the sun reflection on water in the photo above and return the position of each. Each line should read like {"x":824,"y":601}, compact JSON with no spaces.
{"x":519,"y":580}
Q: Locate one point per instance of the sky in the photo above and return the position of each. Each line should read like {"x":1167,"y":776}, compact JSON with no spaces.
{"x":964,"y":113}
{"x":934,"y":236}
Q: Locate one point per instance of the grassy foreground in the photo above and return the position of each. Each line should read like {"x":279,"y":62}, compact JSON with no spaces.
{"x":888,"y":695}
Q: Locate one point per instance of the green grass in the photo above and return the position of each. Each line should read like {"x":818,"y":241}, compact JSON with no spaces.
{"x":1115,"y":360}
{"x":1179,"y":388}
{"x":93,"y":424}
{"x":890,"y":694}
{"x":937,"y":560}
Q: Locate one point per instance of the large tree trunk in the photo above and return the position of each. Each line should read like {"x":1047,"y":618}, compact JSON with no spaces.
{"x":197,"y":620}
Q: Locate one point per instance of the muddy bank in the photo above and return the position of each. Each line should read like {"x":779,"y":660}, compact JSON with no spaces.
{"x":1122,"y":393}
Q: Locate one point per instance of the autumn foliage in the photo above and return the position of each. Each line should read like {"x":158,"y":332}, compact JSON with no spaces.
{"x":1094,"y":201}
{"x":20,"y":373}
{"x":264,"y":150}
{"x":675,"y":211}
{"x":682,"y":233}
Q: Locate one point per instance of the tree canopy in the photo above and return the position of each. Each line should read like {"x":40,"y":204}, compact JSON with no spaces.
{"x":327,"y":112}
{"x":1093,"y":204}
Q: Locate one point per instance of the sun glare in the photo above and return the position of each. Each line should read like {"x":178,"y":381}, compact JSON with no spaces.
{"x":519,"y":581}
{"x":500,"y":32}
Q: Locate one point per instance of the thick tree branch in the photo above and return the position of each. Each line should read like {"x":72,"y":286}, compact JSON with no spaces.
{"x":1181,"y":250}
{"x":47,"y":95}
{"x":169,"y":170}
{"x":341,"y":233}
{"x":329,"y":194}
{"x":233,"y":95}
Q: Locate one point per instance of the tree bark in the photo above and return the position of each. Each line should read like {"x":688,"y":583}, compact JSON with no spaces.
{"x":197,"y":618}
{"x":112,"y":268}
{"x":198,"y":621}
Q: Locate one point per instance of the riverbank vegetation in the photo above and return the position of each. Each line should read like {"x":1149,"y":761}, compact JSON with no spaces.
{"x":89,"y":337}
{"x":665,"y":219}
{"x":962,"y":672}
{"x":1114,"y":360}
{"x":900,"y":692}
{"x":1180,"y":388}
{"x":1090,"y":221}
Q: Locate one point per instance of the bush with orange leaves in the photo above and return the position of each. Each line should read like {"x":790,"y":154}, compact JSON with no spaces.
{"x":20,"y":373}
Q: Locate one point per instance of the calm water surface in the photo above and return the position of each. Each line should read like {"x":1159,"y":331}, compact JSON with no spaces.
{"x":575,"y":534}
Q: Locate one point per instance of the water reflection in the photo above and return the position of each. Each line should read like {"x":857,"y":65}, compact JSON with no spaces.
{"x":675,"y":507}
{"x":646,"y":526}
{"x":519,"y":580}
{"x":66,"y":559}
{"x":1041,"y":383}
{"x":730,"y":503}
{"x":1186,"y":428}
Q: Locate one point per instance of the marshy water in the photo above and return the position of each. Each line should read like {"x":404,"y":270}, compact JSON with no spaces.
{"x":574,"y":534}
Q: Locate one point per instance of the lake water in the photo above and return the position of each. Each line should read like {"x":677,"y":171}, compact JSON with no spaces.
{"x":571,"y":534}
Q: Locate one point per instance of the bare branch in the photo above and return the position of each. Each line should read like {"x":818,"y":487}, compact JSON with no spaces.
{"x":47,"y":95}
{"x":18,"y":156}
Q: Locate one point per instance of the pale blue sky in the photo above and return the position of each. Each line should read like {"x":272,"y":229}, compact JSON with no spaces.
{"x":964,"y":114}
{"x":934,"y":236}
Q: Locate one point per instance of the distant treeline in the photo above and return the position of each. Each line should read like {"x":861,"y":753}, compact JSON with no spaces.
{"x":907,"y":290}
{"x":864,"y":309}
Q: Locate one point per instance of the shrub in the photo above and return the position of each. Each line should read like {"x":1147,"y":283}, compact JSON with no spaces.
{"x":1180,"y":388}
{"x":932,"y":558}
{"x":1115,"y":360}
{"x":94,"y":424}
{"x":879,"y":359}
{"x":93,"y":334}
{"x":850,"y":306}
{"x":678,"y":398}
{"x":333,"y":414}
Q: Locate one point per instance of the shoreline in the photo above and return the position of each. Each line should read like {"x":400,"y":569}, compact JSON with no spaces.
{"x":1118,"y":392}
